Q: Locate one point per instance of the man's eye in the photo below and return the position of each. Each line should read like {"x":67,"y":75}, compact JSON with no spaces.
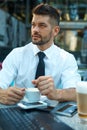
{"x":42,"y":25}
{"x":32,"y":24}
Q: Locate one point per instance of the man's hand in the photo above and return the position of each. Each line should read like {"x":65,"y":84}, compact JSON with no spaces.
{"x":11,"y":95}
{"x":46,"y":86}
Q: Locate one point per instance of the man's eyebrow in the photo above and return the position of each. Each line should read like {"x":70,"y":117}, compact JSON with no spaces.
{"x":42,"y":23}
{"x":39,"y":22}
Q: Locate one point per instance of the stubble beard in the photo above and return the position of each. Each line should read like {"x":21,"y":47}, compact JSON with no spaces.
{"x":44,"y":40}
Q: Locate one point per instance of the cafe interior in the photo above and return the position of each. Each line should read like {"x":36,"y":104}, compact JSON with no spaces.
{"x":15,"y":31}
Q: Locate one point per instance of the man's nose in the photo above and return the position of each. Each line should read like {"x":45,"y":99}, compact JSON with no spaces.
{"x":36,"y":28}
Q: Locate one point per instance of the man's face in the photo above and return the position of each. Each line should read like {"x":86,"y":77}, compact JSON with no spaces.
{"x":41,"y":30}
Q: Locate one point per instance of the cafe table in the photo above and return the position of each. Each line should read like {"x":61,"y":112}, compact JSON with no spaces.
{"x":73,"y":121}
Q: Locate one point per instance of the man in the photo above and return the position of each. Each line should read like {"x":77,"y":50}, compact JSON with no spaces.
{"x":20,"y":65}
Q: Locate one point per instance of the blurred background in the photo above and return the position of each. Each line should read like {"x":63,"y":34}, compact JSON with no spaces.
{"x":15,"y":24}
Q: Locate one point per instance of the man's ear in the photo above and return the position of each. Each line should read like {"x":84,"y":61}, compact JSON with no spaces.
{"x":56,"y":30}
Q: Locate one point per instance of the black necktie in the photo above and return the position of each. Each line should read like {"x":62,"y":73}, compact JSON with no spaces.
{"x":41,"y":65}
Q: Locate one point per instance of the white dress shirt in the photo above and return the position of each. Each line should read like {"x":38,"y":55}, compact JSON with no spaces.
{"x":20,"y":66}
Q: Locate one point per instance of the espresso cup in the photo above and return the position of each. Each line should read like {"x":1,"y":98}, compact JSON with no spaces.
{"x":82,"y":101}
{"x":32,"y":95}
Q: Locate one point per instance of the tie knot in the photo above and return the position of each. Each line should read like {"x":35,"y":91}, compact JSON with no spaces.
{"x":41,"y":55}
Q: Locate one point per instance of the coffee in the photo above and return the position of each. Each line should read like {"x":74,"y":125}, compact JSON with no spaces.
{"x":82,"y":99}
{"x":82,"y":105}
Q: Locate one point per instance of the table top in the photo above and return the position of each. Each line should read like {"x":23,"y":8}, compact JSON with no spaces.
{"x":73,"y":122}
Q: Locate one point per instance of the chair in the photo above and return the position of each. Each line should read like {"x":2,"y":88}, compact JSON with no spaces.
{"x":0,"y":66}
{"x":85,"y":76}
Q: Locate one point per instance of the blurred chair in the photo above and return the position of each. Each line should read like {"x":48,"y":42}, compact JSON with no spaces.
{"x":84,"y":46}
{"x":0,"y":66}
{"x":4,"y":51}
{"x":85,"y":76}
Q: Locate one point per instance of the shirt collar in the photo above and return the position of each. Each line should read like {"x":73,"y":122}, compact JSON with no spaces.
{"x":48,"y":52}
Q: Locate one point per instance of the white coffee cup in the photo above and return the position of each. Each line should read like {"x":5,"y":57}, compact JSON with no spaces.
{"x":32,"y":95}
{"x":82,"y":100}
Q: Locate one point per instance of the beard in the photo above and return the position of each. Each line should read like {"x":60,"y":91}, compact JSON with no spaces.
{"x":44,"y":40}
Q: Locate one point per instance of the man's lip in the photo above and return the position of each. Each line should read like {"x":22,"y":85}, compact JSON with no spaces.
{"x":36,"y":36}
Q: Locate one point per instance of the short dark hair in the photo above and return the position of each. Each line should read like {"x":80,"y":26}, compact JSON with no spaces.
{"x":45,"y":9}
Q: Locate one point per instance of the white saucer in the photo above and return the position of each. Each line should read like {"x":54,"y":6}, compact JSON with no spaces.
{"x":26,"y":105}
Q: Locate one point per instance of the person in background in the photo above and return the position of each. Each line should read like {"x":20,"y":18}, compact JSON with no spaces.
{"x":73,"y":12}
{"x":61,"y":71}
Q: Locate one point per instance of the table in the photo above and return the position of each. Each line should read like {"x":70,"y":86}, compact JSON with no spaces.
{"x":73,"y":122}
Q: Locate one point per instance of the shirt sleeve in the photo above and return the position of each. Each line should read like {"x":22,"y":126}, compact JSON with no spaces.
{"x":9,"y":69}
{"x":70,"y":75}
